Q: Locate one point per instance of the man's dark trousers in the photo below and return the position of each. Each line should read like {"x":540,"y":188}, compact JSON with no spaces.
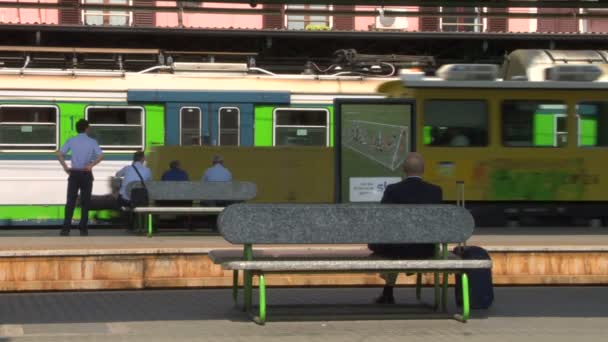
{"x":83,"y":181}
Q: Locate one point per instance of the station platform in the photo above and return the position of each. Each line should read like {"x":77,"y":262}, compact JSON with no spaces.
{"x":40,"y":260}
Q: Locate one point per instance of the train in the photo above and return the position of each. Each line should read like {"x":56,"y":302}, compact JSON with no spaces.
{"x":528,"y":140}
{"x":130,"y":111}
{"x":526,"y":143}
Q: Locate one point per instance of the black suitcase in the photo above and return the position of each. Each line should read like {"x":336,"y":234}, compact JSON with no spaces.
{"x":481,"y":291}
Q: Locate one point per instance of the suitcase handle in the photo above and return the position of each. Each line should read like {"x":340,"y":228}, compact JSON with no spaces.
{"x":460,"y":201}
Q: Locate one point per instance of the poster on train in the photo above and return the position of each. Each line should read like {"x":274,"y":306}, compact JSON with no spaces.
{"x":373,"y":138}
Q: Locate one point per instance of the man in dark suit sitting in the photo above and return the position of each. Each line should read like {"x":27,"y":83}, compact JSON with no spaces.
{"x":411,"y":190}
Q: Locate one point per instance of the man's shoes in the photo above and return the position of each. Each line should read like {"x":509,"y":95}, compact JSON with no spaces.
{"x":385,"y":300}
{"x":84,"y":232}
{"x":65,"y":232}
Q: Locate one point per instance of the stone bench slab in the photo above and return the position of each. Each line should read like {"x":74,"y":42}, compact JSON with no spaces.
{"x":219,"y":256}
{"x":178,"y":210}
{"x":344,"y":223}
{"x":198,"y":191}
{"x":356,"y":265}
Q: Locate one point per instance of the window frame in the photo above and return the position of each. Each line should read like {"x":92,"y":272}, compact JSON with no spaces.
{"x":57,"y":129}
{"x":121,"y":148}
{"x":478,"y":26}
{"x":566,"y":105}
{"x":488,"y":113}
{"x":200,"y":124}
{"x":106,"y":14}
{"x":219,"y":125}
{"x":329,"y":22}
{"x":274,"y":121}
{"x":578,"y":124}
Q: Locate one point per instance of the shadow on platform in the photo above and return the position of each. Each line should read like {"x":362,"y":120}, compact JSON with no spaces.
{"x":216,"y":304}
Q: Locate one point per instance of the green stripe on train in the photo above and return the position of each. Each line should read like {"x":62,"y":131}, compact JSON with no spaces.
{"x":47,"y":212}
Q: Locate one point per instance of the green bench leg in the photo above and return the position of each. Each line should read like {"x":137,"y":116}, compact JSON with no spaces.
{"x":149,"y":225}
{"x":466,"y":310}
{"x":418,"y":286}
{"x":261,"y":319}
{"x":235,"y":285}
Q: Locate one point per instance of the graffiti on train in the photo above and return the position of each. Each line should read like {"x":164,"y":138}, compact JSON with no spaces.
{"x":535,"y":180}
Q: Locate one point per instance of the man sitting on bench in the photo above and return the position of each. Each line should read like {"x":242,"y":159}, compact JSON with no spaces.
{"x":411,"y":190}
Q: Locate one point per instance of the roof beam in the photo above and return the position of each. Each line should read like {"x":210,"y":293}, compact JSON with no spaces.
{"x":423,"y":3}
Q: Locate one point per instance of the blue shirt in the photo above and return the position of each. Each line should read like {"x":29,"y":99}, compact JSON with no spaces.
{"x":84,"y":151}
{"x":175,"y":175}
{"x":217,"y":173}
{"x":129,"y":175}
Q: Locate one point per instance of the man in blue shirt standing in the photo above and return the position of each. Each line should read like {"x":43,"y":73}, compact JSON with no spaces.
{"x":217,"y":173}
{"x":175,"y":173}
{"x":86,"y":153}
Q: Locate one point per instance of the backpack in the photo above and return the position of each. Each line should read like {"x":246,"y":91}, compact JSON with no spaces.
{"x":139,"y":196}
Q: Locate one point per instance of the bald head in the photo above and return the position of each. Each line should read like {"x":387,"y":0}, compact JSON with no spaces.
{"x":414,"y":165}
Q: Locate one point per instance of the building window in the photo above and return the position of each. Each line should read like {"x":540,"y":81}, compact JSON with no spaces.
{"x":28,"y":127}
{"x":190,"y":126}
{"x":301,"y":127}
{"x":592,"y":118}
{"x":470,"y":21}
{"x":302,"y":22}
{"x":104,"y":17}
{"x":534,"y":123}
{"x":229,"y":124}
{"x":455,"y":123}
{"x":117,"y":128}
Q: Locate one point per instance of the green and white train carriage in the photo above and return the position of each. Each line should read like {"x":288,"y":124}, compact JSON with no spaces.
{"x":135,"y":111}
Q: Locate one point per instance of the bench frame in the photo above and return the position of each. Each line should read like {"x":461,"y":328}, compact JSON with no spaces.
{"x":145,"y":213}
{"x":440,"y":287}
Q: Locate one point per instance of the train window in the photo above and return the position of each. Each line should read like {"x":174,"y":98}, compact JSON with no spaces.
{"x":117,"y":128}
{"x":301,"y":127}
{"x":190,"y":126}
{"x":229,"y":122}
{"x":534,"y":123}
{"x":592,"y":118}
{"x":28,"y":127}
{"x":455,"y":123}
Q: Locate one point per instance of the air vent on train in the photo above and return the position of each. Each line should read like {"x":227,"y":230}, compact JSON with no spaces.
{"x":573,"y":72}
{"x":210,"y":67}
{"x":468,"y":72}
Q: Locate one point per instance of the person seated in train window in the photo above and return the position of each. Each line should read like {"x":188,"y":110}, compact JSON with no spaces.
{"x":130,"y":174}
{"x":459,"y":139}
{"x":175,"y":173}
{"x":217,"y":172}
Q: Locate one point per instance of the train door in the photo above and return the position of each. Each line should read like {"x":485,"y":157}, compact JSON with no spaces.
{"x":231,"y":124}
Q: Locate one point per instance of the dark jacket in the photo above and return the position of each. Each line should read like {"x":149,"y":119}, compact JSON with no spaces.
{"x":175,"y":175}
{"x":412,"y":190}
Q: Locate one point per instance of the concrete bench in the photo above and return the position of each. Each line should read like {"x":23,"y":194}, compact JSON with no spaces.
{"x":268,"y":224}
{"x":231,"y":192}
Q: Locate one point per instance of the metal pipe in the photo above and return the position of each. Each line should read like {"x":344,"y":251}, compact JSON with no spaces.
{"x":262,"y":71}
{"x":156,"y":67}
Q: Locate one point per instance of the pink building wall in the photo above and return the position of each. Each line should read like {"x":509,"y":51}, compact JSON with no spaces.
{"x":29,"y":16}
{"x":209,"y":20}
{"x":253,"y":22}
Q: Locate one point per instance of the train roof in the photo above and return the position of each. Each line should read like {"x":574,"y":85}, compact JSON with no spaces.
{"x":484,"y":76}
{"x":43,"y":84}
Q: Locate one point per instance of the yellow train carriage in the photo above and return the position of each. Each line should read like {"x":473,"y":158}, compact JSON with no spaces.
{"x":523,"y":148}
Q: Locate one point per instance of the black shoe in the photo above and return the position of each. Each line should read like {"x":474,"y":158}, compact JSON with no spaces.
{"x":384,"y":300}
{"x":65,"y":232}
{"x":84,"y":232}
